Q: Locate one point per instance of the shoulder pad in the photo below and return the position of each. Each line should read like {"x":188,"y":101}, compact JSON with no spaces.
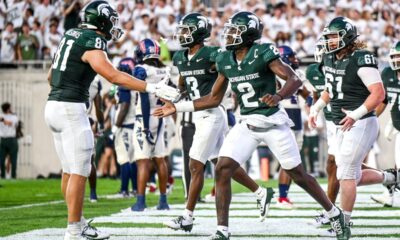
{"x":140,"y":72}
{"x":268,"y":52}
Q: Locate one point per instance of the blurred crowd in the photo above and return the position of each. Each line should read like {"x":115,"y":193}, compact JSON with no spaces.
{"x":32,"y":29}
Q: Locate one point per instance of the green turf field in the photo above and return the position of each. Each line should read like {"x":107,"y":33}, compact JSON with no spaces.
{"x":50,"y":211}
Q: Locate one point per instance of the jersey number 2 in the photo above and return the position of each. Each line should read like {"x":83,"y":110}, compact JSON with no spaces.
{"x":249,"y":92}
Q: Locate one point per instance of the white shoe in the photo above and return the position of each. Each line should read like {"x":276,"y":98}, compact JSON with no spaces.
{"x":68,"y":236}
{"x":265,"y":202}
{"x":386,"y":198}
{"x":180,"y":223}
{"x":93,"y":233}
{"x":321,"y":220}
{"x":284,"y":203}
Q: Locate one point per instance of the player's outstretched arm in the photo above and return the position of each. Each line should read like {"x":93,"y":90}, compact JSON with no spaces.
{"x":213,"y":99}
{"x":100,"y":63}
{"x":292,"y":84}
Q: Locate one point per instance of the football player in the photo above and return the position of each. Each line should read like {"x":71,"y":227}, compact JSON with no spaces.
{"x":391,"y":80}
{"x":196,"y":65}
{"x":96,"y":100}
{"x":354,"y":89}
{"x":123,"y":131}
{"x":251,"y":69}
{"x":293,"y":109}
{"x":149,"y":141}
{"x":315,"y":76}
{"x":80,"y":56}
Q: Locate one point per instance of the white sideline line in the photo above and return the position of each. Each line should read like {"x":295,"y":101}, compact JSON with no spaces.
{"x":32,"y":205}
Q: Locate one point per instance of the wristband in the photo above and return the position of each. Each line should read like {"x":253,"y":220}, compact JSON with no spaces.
{"x":358,"y":113}
{"x":184,"y":106}
{"x":320,"y":104}
{"x":150,"y":88}
{"x":277,"y":94}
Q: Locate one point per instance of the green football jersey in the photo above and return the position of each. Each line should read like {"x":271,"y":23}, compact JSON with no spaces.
{"x":316,"y":77}
{"x":346,"y":89}
{"x":392,"y":85}
{"x":251,"y":79}
{"x":70,"y":76}
{"x":198,"y":75}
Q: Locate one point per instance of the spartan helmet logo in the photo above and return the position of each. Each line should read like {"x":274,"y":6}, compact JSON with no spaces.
{"x":202,"y":23}
{"x":253,"y":23}
{"x":348,"y":26}
{"x":103,"y":9}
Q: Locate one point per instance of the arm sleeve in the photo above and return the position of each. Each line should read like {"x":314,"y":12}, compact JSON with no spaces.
{"x":141,"y":74}
{"x":369,"y":75}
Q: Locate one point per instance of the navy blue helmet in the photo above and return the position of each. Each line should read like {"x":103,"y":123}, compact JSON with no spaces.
{"x":288,"y":56}
{"x":147,"y":49}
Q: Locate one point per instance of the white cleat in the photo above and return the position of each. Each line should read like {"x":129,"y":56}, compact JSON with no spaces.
{"x":265,"y":202}
{"x":386,"y":198}
{"x":180,"y":223}
{"x":321,"y":220}
{"x":90,"y":232}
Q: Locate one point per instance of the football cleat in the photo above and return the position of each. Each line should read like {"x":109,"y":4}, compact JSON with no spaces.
{"x":219,"y":236}
{"x":265,"y":202}
{"x":68,"y":236}
{"x":386,"y":198}
{"x":284,"y":203}
{"x":321,"y":220}
{"x":180,"y":223}
{"x":90,"y":232}
{"x":339,"y":226}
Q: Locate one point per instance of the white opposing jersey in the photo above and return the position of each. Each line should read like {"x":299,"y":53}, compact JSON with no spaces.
{"x":293,"y":101}
{"x":127,"y":96}
{"x":94,"y":89}
{"x":228,"y":101}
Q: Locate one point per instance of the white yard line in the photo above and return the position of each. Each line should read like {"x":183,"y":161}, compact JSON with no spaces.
{"x":32,"y":205}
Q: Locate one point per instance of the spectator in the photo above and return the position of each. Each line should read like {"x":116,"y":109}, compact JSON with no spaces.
{"x":27,"y":44}
{"x":8,"y":43}
{"x":44,"y":12}
{"x":3,"y":15}
{"x":161,"y":12}
{"x":37,"y":32}
{"x":15,"y":13}
{"x":28,"y":16}
{"x":71,"y":11}
{"x":8,"y":139}
{"x":52,"y":38}
{"x":278,"y":23}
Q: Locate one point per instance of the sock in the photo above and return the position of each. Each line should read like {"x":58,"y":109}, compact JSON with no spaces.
{"x":283,"y":190}
{"x":134,"y":176}
{"x":83,"y":221}
{"x":74,"y":228}
{"x":260,"y":193}
{"x":93,"y":191}
{"x":347,"y":216}
{"x":223,"y":230}
{"x":388,"y":178}
{"x":141,"y":199}
{"x":333,"y":212}
{"x":125,"y":172}
{"x":187,"y":214}
{"x":163,"y":198}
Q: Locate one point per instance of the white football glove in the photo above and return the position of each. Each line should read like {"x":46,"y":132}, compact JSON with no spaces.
{"x":390,"y":130}
{"x":162,"y":90}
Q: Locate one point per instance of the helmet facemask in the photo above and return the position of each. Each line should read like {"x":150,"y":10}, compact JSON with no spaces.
{"x":184,"y":35}
{"x":115,"y":32}
{"x":337,"y":38}
{"x":232,"y":35}
{"x":394,"y":59}
{"x":319,"y":51}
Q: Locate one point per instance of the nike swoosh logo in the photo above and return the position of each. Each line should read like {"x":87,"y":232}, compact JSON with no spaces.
{"x":251,"y":62}
{"x":205,"y":117}
{"x":198,"y":60}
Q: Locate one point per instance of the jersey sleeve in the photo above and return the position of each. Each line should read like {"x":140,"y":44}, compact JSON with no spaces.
{"x":214,"y":53}
{"x":219,"y":63}
{"x":91,"y":41}
{"x":386,"y":72}
{"x":124,"y":95}
{"x":269,"y":53}
{"x":365,"y":59}
{"x":140,"y":73}
{"x":176,"y":58}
